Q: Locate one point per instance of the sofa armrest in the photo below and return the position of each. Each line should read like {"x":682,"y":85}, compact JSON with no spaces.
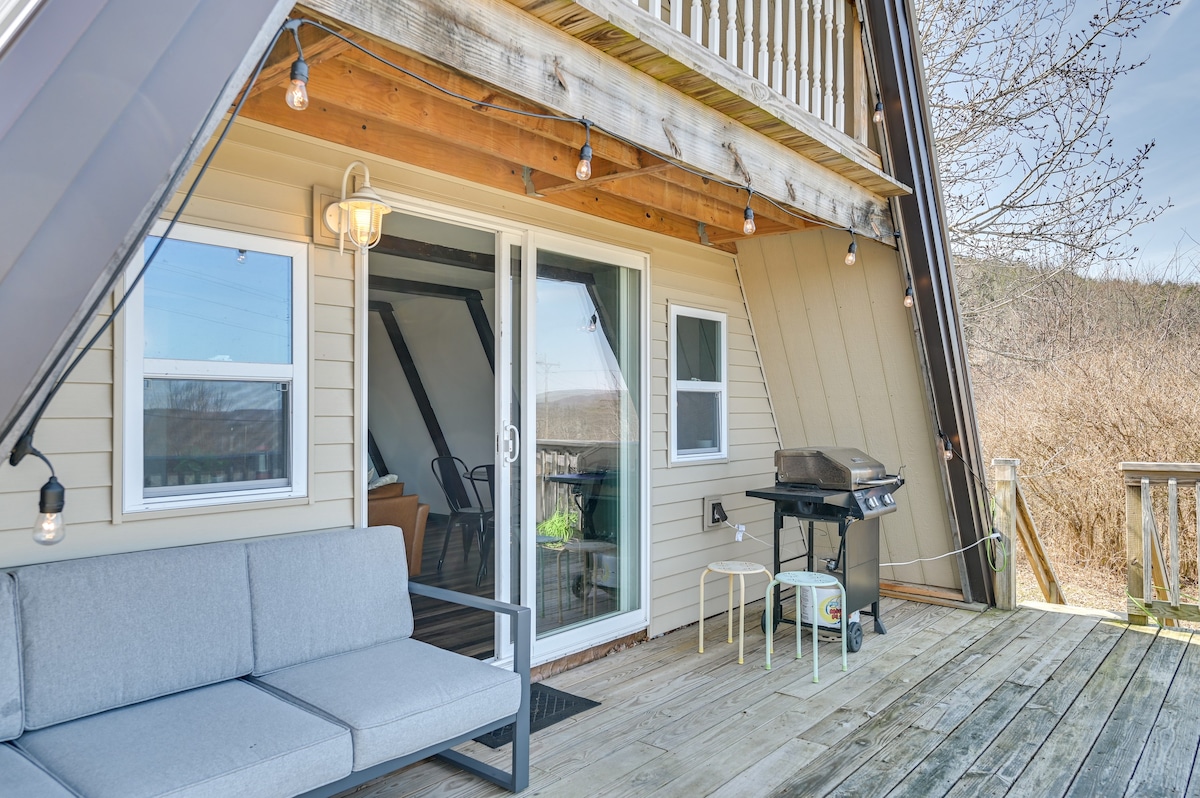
{"x":522,"y":617}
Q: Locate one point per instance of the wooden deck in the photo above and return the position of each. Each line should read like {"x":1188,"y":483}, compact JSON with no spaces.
{"x":949,"y":702}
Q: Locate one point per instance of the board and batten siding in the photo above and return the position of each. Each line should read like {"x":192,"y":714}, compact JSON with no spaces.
{"x":259,"y":183}
{"x":842,"y":362}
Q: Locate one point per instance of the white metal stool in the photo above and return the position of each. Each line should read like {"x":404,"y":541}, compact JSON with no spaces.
{"x":731,"y":567}
{"x":812,"y":581}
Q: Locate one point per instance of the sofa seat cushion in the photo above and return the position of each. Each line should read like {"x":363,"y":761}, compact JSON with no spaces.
{"x":20,"y":777}
{"x":227,"y":739}
{"x":401,"y":697}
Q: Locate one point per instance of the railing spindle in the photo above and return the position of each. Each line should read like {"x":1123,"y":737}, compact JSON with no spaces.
{"x":791,"y":50}
{"x":731,"y":32}
{"x":818,"y":6}
{"x":748,"y":36}
{"x":697,"y":21}
{"x":677,"y":15}
{"x":777,"y":49}
{"x":839,"y":114}
{"x":1147,"y":531}
{"x":827,"y":107}
{"x":1173,"y":516}
{"x":714,"y":25}
{"x":763,"y":55}
{"x":803,"y":94}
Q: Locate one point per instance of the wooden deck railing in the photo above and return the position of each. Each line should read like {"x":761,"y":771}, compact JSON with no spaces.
{"x":809,"y":51}
{"x":1155,"y":592}
{"x":1013,"y":520}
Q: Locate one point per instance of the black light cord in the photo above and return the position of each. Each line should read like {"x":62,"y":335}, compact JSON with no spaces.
{"x":24,"y":444}
{"x":586,"y":123}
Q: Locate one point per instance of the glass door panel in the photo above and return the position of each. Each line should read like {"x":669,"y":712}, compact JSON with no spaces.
{"x":588,"y":481}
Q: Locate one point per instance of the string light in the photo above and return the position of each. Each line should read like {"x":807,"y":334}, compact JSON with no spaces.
{"x":48,"y":527}
{"x":852,"y":252}
{"x":748,"y":226}
{"x":584,"y":170}
{"x":947,"y":448}
{"x":877,"y":117}
{"x":297,"y":90}
{"x":908,"y":297}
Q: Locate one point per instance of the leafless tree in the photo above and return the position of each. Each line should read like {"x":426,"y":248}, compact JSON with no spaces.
{"x":1019,"y":91}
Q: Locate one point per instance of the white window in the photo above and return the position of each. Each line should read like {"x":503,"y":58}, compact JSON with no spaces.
{"x":699,"y":388}
{"x":216,"y":390}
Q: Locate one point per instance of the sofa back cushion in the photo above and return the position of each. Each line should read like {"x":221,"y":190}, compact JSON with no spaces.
{"x":108,"y":631}
{"x":319,"y":594}
{"x":11,"y":716}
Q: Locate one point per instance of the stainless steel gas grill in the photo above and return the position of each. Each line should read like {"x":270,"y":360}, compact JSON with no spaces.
{"x":843,"y":486}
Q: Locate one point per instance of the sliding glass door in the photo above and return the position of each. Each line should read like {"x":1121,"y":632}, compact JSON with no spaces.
{"x":588,"y":460}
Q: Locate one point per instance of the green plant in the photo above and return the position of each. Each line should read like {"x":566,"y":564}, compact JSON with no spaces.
{"x":561,"y":525}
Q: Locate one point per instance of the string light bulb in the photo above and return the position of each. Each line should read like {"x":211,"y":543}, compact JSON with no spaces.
{"x":296,"y":95}
{"x":852,"y":252}
{"x":748,"y":226}
{"x":908,"y":297}
{"x":877,"y":117}
{"x":48,"y":528}
{"x":947,"y":448}
{"x":583,"y":171}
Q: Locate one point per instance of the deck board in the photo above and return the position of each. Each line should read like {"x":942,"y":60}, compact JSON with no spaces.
{"x":950,"y":703}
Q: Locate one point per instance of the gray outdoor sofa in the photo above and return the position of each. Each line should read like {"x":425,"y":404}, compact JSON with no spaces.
{"x":277,"y":667}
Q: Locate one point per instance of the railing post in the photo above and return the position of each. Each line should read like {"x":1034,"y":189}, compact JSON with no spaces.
{"x":1134,"y":564}
{"x":1006,"y":523}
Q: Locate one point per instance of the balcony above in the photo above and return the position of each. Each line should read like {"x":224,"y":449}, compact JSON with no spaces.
{"x":792,"y":70}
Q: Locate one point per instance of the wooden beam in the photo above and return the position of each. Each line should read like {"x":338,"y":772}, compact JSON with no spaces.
{"x":502,"y":45}
{"x":435,"y":253}
{"x":330,"y":122}
{"x":609,"y":178}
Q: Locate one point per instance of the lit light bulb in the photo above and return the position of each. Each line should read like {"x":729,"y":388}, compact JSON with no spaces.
{"x":297,"y":90}
{"x":948,"y":453}
{"x":241,"y":256}
{"x":878,"y":115}
{"x":852,"y":253}
{"x":908,"y":297}
{"x":748,"y":226}
{"x":584,"y":170}
{"x":48,"y":528}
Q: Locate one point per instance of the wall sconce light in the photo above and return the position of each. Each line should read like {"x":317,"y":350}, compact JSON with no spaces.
{"x":359,"y":215}
{"x":48,"y":528}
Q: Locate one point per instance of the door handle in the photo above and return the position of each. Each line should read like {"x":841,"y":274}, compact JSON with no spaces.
{"x":512,"y":443}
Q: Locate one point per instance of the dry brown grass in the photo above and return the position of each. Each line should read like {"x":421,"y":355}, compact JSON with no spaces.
{"x":1072,"y":380}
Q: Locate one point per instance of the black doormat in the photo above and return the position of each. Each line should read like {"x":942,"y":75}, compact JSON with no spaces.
{"x":547,"y":706}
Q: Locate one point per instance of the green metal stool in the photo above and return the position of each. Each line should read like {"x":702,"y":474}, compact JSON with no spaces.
{"x":812,"y":581}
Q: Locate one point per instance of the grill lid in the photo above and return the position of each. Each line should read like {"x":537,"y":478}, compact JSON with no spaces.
{"x":829,"y":468}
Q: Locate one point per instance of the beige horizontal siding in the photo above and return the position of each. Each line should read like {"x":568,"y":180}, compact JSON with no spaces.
{"x":257,"y":185}
{"x":679,"y":547}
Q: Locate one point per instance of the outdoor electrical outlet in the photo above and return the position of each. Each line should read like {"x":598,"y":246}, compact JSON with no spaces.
{"x":714,"y":513}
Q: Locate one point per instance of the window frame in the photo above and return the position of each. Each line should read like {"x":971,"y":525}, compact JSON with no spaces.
{"x":138,"y":368}
{"x":719,"y":387}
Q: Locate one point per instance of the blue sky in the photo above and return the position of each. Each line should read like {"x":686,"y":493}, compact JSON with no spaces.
{"x":1161,"y":101}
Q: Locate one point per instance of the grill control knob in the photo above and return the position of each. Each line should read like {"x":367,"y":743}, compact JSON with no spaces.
{"x":872,"y":502}
{"x":888,"y":500}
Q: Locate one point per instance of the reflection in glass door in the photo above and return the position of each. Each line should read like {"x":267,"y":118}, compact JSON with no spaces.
{"x":587,"y":385}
